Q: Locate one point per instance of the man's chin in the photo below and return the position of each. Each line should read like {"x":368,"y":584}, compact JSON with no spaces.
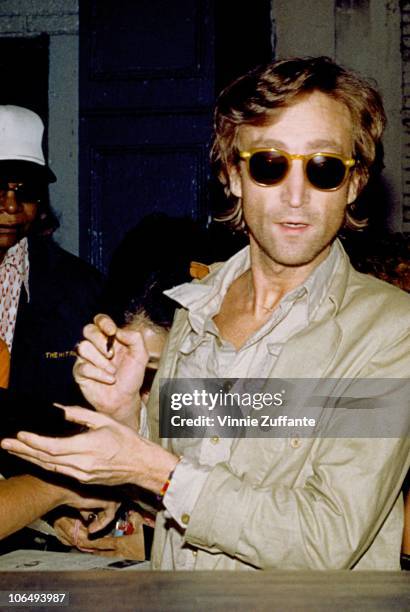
{"x":297,"y":258}
{"x":9,"y":239}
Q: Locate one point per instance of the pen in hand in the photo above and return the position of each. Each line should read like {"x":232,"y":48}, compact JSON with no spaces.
{"x":110,"y":342}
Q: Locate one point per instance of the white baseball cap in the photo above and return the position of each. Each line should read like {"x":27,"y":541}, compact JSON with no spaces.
{"x":21,"y":153}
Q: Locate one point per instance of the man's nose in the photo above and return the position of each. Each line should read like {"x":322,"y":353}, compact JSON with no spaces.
{"x":295,"y":190}
{"x":10,"y":202}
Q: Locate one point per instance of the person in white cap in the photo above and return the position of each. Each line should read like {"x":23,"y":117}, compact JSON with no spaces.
{"x":46,"y":297}
{"x":46,"y":294}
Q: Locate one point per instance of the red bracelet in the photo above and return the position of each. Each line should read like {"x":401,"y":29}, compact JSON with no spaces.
{"x":166,"y":484}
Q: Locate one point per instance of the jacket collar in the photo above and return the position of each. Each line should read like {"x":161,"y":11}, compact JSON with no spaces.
{"x":303,"y":348}
{"x":45,"y":284}
{"x":203,"y":298}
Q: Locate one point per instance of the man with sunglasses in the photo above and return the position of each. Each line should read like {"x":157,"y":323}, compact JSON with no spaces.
{"x":295,"y":142}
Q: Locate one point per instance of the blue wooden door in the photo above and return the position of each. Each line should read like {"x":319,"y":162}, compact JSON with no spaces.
{"x":149,"y":73}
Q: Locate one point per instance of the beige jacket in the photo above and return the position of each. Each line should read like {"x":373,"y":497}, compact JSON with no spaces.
{"x":309,"y":503}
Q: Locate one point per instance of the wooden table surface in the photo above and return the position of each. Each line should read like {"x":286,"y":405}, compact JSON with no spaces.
{"x":105,"y":590}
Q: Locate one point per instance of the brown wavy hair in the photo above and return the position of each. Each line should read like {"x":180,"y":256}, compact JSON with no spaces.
{"x":256,"y":97}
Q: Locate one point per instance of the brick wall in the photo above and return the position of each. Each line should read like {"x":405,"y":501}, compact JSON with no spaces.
{"x":405,"y":39}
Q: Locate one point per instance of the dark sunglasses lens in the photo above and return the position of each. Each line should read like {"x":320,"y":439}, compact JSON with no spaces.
{"x":30,"y":193}
{"x":268,"y":167}
{"x":325,"y":172}
{"x":25,"y":193}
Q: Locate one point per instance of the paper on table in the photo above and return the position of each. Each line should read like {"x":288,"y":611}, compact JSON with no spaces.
{"x":47,"y":561}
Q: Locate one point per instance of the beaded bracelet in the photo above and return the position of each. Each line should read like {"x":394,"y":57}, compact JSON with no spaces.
{"x":166,"y":484}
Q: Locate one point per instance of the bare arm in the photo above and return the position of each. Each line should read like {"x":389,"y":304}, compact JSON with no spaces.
{"x":26,"y":498}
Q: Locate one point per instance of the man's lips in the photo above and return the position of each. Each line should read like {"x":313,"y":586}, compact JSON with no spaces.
{"x":293,"y":225}
{"x":7,"y":228}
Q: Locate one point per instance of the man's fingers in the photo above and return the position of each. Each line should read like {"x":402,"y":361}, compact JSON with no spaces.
{"x":65,"y":538}
{"x":46,"y":464}
{"x":83,"y":416}
{"x":132,"y":339}
{"x":64,"y":527}
{"x":96,"y":337}
{"x":106,"y":543}
{"x":89,"y":353}
{"x":105,"y":324}
{"x":45,"y":446}
{"x":54,"y":458}
{"x":101,"y":521}
{"x":84,"y":372}
{"x":87,"y":515}
{"x":104,"y":513}
{"x":58,"y":465}
{"x":39,"y":447}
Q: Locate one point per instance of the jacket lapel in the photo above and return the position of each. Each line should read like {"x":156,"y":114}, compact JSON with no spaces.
{"x":310,"y":353}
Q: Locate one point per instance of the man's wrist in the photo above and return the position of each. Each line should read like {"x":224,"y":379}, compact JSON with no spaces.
{"x":167,"y":482}
{"x":153,"y":465}
{"x":164,"y":476}
{"x":56,"y":495}
{"x":129,"y":414}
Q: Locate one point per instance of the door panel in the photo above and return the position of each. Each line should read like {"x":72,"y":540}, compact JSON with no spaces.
{"x":147,"y":90}
{"x":153,"y":175}
{"x":147,"y":49}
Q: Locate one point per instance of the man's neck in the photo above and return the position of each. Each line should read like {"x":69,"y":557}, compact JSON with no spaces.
{"x":269,"y":281}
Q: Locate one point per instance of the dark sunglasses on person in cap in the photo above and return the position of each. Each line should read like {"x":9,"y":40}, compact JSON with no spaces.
{"x":324,"y":171}
{"x":23,"y":192}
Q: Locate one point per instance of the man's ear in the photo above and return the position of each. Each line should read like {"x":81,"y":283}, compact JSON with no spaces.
{"x":353,"y":190}
{"x":235,"y":182}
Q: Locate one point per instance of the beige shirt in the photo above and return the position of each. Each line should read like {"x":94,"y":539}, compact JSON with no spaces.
{"x":205,"y":354}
